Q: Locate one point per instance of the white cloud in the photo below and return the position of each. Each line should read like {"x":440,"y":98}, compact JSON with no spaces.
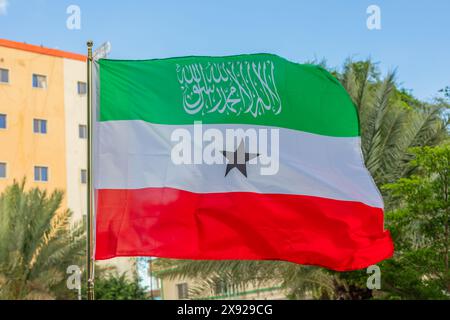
{"x":3,"y":7}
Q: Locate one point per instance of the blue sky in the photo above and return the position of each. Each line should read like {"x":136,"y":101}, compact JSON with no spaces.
{"x":414,"y":37}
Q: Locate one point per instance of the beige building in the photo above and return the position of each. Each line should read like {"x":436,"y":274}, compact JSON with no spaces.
{"x":32,"y":115}
{"x":43,"y":118}
{"x":75,"y":104}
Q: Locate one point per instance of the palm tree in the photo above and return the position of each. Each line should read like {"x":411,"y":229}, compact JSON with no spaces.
{"x":299,"y":282}
{"x":37,"y":244}
{"x":392,"y":121}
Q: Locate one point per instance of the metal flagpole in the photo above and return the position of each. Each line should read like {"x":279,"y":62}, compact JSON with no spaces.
{"x":151,"y":278}
{"x":89,"y":258}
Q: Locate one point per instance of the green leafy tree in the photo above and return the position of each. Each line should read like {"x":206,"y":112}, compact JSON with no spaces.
{"x":37,"y":244}
{"x":118,"y":287}
{"x":420,"y":226}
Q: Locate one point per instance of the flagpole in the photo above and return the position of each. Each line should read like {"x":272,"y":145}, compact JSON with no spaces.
{"x":89,"y":258}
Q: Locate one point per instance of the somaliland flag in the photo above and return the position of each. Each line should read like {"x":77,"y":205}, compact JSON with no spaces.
{"x":246,"y":157}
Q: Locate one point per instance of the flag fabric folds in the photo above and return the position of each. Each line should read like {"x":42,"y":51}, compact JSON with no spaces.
{"x":247,"y":157}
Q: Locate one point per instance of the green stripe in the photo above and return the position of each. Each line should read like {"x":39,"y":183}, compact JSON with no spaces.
{"x":300,"y":97}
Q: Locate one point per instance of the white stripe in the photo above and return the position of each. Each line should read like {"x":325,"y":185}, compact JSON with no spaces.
{"x":137,"y":155}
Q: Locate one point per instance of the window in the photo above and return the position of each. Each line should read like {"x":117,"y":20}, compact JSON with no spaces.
{"x":182,"y":289}
{"x":40,"y":126}
{"x":2,"y":121}
{"x":83,"y":176}
{"x":82,"y":88}
{"x":2,"y":170}
{"x":82,"y":131}
{"x":222,"y":287}
{"x":39,"y":81}
{"x":41,"y":174}
{"x":4,"y":75}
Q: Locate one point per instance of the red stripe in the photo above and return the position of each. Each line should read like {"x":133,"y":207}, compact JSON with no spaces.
{"x":169,"y":223}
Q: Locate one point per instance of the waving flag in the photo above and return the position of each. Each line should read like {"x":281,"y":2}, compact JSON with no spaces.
{"x":245,"y":157}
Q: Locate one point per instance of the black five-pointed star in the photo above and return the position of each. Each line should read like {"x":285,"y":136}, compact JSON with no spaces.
{"x":238,"y":159}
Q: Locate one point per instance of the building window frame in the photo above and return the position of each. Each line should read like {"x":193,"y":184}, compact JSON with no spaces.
{"x":4,"y":170}
{"x":183,"y":291}
{"x":37,"y":84}
{"x":4,"y":122}
{"x":8,"y":76}
{"x":83,"y":176}
{"x":81,"y":88}
{"x":41,"y":174}
{"x":40,"y":126}
{"x":82,"y":131}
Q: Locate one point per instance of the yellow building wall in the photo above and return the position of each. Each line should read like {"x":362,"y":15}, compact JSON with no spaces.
{"x":76,"y":148}
{"x":61,"y":149}
{"x":22,"y":149}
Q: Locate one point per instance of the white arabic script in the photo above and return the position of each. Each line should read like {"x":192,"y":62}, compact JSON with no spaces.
{"x":236,"y":87}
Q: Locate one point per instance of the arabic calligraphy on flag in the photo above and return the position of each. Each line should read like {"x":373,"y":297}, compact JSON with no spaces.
{"x":235,"y":87}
